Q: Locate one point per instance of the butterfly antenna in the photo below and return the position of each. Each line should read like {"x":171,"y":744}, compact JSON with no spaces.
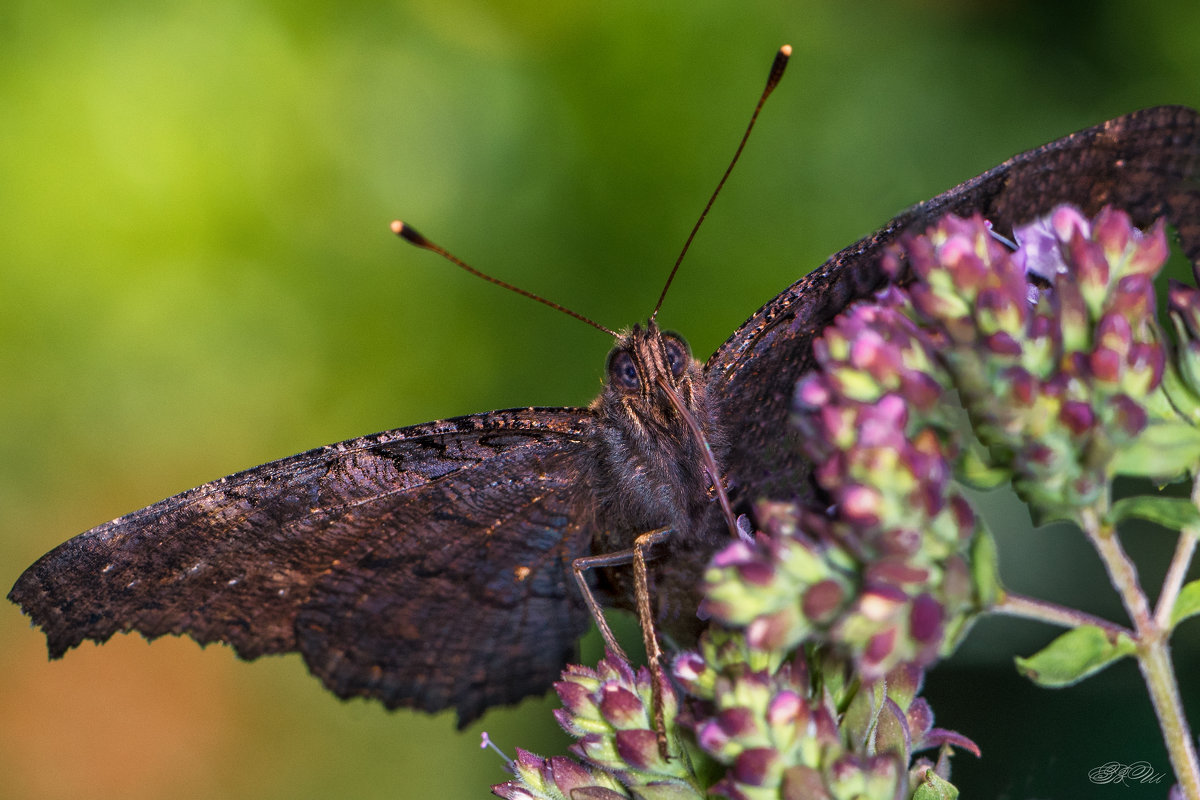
{"x":410,"y":235}
{"x":777,"y":67}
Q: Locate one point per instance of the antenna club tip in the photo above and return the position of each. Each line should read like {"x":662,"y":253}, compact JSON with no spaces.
{"x":409,"y":234}
{"x":780,"y":63}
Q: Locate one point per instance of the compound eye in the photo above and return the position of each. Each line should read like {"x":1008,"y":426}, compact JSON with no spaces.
{"x":623,"y":371}
{"x":678,"y":355}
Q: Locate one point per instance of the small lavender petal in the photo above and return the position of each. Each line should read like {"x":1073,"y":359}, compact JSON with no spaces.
{"x":1039,"y":252}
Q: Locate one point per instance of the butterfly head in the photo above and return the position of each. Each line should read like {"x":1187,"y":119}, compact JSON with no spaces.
{"x":651,"y":372}
{"x":659,"y":433}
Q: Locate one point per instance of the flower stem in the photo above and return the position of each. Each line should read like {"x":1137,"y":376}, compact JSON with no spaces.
{"x":1017,"y":605}
{"x":1153,"y":654}
{"x":1184,"y":549}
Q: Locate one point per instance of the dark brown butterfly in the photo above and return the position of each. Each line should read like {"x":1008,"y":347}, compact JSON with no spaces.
{"x":431,"y":566}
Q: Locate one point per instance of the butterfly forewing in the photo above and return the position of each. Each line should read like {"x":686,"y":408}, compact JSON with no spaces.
{"x":1146,"y":163}
{"x":427,"y":566}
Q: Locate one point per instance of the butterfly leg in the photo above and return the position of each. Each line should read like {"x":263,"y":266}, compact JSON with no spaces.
{"x":579,"y":566}
{"x":654,"y":654}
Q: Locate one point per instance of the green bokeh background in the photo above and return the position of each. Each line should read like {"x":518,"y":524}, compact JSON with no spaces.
{"x":196,"y":276}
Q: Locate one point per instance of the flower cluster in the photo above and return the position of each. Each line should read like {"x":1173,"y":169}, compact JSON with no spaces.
{"x":557,"y":778}
{"x":884,"y":572}
{"x":610,"y":710}
{"x":1056,"y":387}
{"x":804,"y":728}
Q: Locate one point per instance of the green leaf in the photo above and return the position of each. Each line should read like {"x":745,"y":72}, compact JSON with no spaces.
{"x":1181,"y":397}
{"x":985,"y":573}
{"x":1187,"y":604}
{"x":1170,"y":512}
{"x":1163,"y":450}
{"x":934,"y":787}
{"x":1075,"y":655}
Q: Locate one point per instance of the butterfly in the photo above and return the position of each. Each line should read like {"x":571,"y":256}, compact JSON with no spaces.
{"x":431,"y":566}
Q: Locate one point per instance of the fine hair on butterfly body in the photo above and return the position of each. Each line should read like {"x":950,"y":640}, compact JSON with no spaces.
{"x":434,"y":566}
